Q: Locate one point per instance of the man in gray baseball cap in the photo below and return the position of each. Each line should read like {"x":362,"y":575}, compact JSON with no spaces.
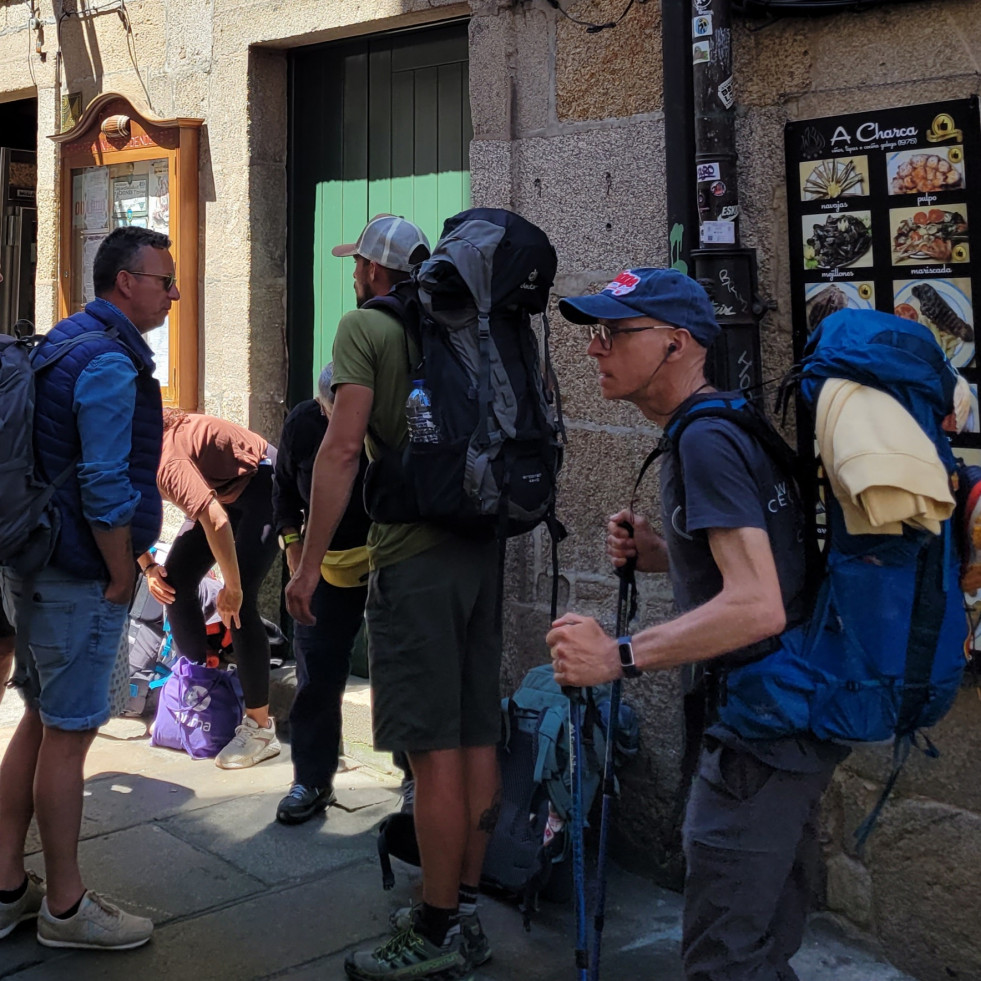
{"x":386,"y":251}
{"x":435,"y":643}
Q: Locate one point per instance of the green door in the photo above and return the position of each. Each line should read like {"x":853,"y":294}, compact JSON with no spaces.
{"x":377,"y":125}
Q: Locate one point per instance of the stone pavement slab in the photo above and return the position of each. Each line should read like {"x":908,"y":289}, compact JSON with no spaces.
{"x":244,"y":833}
{"x":156,"y":874}
{"x":261,"y":936}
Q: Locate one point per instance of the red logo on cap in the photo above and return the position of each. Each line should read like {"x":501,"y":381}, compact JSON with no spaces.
{"x":623,"y":284}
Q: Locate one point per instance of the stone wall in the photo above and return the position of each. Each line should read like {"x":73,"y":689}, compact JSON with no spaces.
{"x":570,"y":136}
{"x":569,"y":131}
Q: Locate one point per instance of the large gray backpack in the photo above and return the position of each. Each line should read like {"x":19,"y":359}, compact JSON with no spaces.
{"x":27,"y":530}
{"x":494,"y":396}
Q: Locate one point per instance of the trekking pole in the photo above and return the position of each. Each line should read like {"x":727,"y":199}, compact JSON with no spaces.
{"x":578,"y":853}
{"x":626,"y":607}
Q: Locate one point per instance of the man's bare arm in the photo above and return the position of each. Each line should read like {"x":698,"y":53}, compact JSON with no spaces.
{"x":748,"y":609}
{"x":116,"y":547}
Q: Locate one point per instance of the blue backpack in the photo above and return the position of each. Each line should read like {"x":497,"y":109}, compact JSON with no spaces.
{"x":882,"y":655}
{"x":529,"y":850}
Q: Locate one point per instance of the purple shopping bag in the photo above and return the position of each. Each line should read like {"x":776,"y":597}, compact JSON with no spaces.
{"x":198,"y":711}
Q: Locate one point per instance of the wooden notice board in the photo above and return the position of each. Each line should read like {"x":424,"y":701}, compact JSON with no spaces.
{"x":122,"y":167}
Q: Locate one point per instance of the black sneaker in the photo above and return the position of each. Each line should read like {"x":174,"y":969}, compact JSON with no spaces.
{"x":301,"y":803}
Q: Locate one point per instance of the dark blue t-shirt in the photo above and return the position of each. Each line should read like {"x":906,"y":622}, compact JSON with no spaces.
{"x":729,"y":482}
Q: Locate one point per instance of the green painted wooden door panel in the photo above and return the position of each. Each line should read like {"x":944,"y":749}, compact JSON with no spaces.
{"x":376,"y":125}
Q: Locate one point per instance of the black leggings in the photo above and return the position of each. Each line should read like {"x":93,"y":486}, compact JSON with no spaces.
{"x":190,"y":559}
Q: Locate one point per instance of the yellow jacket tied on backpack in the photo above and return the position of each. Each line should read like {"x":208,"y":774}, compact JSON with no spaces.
{"x":883,"y":469}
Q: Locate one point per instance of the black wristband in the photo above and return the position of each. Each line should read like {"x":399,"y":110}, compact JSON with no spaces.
{"x":627,"y":666}
{"x":152,"y":565}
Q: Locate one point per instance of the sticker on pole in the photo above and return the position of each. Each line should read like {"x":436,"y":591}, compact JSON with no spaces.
{"x":701,"y":26}
{"x":726,"y":94}
{"x":700,"y":53}
{"x":707,"y":172}
{"x":717,"y":233}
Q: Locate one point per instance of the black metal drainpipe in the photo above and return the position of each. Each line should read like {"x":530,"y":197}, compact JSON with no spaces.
{"x":700,"y":148}
{"x":679,"y":134}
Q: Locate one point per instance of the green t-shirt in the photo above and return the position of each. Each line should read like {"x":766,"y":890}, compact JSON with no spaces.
{"x":370,"y":350}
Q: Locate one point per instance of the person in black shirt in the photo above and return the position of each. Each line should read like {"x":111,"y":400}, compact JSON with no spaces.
{"x":322,"y":651}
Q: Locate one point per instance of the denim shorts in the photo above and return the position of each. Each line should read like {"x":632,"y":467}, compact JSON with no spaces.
{"x":75,"y":633}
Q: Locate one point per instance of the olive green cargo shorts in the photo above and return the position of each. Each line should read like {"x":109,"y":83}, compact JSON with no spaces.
{"x":434,"y":649}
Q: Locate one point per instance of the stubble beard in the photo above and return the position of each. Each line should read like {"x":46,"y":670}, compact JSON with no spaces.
{"x":363,"y":297}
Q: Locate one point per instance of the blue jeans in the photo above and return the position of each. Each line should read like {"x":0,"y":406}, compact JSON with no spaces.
{"x":75,"y":633}
{"x":323,"y":662}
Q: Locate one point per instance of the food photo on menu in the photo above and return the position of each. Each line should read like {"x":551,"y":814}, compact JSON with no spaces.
{"x":826,"y":180}
{"x":943,"y":305}
{"x":835,"y":240}
{"x":934,"y":235}
{"x":925,"y":172}
{"x":822,"y":300}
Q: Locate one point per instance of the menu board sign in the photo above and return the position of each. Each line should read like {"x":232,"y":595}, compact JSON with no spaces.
{"x":884,"y":211}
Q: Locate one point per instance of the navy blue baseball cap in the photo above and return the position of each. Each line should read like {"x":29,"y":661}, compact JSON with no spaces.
{"x":664,"y":294}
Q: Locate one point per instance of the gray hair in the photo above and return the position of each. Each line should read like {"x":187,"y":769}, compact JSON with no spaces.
{"x":325,"y":392}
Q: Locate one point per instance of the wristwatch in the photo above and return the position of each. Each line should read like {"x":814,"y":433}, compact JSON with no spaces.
{"x":627,"y":665}
{"x":293,"y":536}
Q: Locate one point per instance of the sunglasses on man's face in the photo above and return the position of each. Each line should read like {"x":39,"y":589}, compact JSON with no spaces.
{"x":606,"y":334}
{"x":168,"y":281}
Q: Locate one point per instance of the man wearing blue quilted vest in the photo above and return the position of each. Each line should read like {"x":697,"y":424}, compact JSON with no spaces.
{"x":98,"y":419}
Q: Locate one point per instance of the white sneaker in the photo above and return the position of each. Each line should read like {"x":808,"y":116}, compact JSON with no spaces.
{"x":24,"y":908}
{"x":251,"y":744}
{"x":98,"y":925}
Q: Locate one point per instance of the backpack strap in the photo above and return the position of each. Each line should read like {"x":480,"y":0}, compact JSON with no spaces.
{"x":551,"y":381}
{"x":547,"y":770}
{"x":748,"y":417}
{"x":63,"y":347}
{"x":406,"y":312}
{"x":405,"y":309}
{"x":381,"y":843}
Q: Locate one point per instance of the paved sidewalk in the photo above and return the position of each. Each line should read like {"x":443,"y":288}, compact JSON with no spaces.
{"x":236,"y":896}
